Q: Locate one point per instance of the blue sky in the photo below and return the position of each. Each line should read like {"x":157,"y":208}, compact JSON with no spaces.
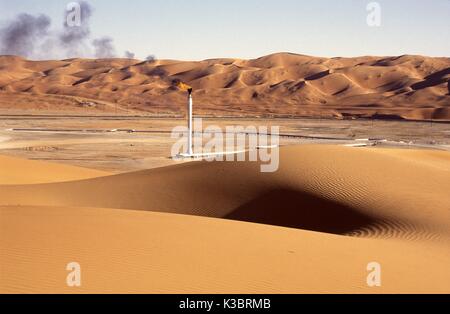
{"x":201,"y":29}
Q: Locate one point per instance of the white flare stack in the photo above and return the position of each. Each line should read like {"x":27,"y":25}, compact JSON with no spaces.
{"x":190,"y":151}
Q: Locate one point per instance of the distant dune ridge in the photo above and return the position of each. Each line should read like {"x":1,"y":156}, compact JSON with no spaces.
{"x":405,"y":87}
{"x":314,"y":226}
{"x":35,"y":172}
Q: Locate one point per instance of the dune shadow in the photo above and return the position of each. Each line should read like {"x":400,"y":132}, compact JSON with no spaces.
{"x":433,"y":80}
{"x":299,"y":210}
{"x":83,"y":80}
{"x":318,"y":76}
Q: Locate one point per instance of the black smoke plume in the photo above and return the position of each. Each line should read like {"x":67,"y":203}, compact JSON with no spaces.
{"x":130,"y":55}
{"x":151,"y":58}
{"x":22,"y":36}
{"x":104,"y":47}
{"x":73,"y":38}
{"x":29,"y":36}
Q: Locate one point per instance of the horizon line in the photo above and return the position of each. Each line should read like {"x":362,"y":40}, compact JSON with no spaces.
{"x":233,"y":58}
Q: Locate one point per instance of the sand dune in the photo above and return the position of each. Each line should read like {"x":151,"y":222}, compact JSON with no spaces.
{"x":407,"y":87}
{"x":15,"y":171}
{"x":348,"y":193}
{"x":142,"y":252}
{"x":313,"y":226}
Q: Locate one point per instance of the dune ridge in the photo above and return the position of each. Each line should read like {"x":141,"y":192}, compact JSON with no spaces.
{"x":15,"y":171}
{"x":346,"y":194}
{"x":223,"y":227}
{"x":282,"y":84}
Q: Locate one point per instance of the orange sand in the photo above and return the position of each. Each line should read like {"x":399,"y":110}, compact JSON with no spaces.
{"x":313,"y":226}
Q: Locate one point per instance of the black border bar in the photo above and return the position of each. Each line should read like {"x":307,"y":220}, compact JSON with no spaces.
{"x":173,"y":303}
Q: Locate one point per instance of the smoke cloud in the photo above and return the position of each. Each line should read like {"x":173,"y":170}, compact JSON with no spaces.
{"x":73,"y":37}
{"x":30,"y":36}
{"x":130,"y":55}
{"x":23,"y":34}
{"x":104,"y":47}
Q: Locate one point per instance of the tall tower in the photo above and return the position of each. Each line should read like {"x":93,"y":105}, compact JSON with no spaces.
{"x":184,"y":87}
{"x":190,"y":150}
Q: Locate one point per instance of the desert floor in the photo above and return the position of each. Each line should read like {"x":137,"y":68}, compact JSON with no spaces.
{"x":103,"y":192}
{"x":138,"y":143}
